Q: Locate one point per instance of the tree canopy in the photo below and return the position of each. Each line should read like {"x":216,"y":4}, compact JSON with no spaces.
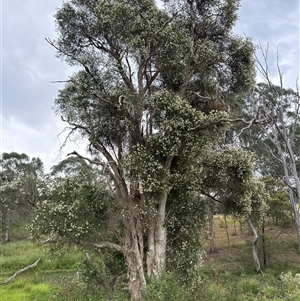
{"x":152,"y":99}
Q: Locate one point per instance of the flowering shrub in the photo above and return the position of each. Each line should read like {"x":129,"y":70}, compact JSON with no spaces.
{"x":290,"y":286}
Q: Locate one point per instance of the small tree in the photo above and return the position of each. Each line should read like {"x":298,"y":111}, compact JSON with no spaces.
{"x":231,"y":182}
{"x":279,"y":207}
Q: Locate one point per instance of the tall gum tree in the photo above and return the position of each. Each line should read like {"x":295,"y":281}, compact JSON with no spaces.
{"x":278,"y":145}
{"x":150,"y":93}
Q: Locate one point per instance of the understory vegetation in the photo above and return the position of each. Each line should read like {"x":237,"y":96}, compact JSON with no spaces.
{"x":225,"y":275}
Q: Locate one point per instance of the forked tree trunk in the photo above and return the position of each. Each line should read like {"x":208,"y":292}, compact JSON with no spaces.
{"x":254,"y":246}
{"x":156,"y":255}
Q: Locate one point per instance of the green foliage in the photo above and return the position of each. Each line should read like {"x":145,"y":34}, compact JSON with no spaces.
{"x":183,"y":130}
{"x":75,"y":206}
{"x":227,"y":275}
{"x":77,"y":210}
{"x":165,"y":288}
{"x":20,"y":185}
{"x":279,"y":206}
{"x":105,"y":270}
{"x":230,"y":173}
{"x":185,"y":225}
{"x":291,"y":286}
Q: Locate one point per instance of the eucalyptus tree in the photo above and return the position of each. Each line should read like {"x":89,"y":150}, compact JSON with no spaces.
{"x":149,"y":98}
{"x":278,"y":144}
{"x":19,"y":193}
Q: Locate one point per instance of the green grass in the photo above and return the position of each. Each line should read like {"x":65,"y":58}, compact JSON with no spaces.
{"x":226,"y":275}
{"x":230,"y":274}
{"x":38,"y":283}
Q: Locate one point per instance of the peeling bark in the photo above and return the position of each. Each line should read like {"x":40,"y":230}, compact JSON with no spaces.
{"x":134,"y":257}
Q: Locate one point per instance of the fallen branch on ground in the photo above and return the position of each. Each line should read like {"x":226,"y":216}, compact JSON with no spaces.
{"x":21,"y":271}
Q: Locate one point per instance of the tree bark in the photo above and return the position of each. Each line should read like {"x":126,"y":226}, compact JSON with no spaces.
{"x":264,"y":244}
{"x":295,"y":209}
{"x":134,"y":256}
{"x":212,"y":238}
{"x":254,"y":246}
{"x":226,"y":227}
{"x":157,"y":240}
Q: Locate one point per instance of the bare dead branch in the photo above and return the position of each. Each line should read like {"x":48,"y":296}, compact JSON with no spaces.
{"x":20,"y":271}
{"x":203,"y":97}
{"x":250,"y":123}
{"x":97,"y":162}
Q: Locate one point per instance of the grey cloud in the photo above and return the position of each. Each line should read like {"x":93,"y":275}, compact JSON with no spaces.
{"x":28,"y":61}
{"x":29,"y":64}
{"x":274,"y":24}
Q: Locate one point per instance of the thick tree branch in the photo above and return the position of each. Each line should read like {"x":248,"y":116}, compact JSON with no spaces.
{"x":212,"y":197}
{"x":97,"y":162}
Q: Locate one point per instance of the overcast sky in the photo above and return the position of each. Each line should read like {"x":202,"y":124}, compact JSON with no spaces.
{"x":28,"y":65}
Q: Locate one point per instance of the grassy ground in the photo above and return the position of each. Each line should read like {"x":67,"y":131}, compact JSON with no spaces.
{"x":228,"y":274}
{"x":39,"y":283}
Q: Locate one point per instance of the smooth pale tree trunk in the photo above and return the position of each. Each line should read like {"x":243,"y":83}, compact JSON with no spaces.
{"x":264,"y":244}
{"x":157,"y":234}
{"x":295,"y":209}
{"x":212,"y":236}
{"x":226,"y":228}
{"x":293,"y":189}
{"x":254,"y":246}
{"x":157,"y":240}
